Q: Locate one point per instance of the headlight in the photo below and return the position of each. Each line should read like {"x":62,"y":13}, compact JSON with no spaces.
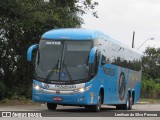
{"x":84,"y":89}
{"x":36,"y":87}
{"x":81,"y":90}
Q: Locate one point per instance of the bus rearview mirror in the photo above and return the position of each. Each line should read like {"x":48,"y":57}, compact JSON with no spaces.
{"x":91,"y":63}
{"x":29,"y":52}
{"x":92,"y":55}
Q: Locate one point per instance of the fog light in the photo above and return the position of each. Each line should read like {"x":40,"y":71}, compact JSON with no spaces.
{"x":81,"y":99}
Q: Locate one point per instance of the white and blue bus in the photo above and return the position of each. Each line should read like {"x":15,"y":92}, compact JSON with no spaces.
{"x":82,"y":67}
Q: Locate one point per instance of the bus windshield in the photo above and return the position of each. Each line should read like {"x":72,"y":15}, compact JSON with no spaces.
{"x":62,"y":60}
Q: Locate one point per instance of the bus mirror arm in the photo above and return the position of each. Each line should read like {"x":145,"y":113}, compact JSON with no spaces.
{"x":29,"y":52}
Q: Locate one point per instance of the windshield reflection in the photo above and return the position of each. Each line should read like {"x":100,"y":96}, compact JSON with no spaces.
{"x":62,"y":60}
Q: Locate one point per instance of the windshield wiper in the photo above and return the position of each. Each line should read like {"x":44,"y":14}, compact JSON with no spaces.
{"x":54,"y":69}
{"x":67,"y":71}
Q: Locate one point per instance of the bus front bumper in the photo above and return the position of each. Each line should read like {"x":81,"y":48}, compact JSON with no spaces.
{"x":80,"y":98}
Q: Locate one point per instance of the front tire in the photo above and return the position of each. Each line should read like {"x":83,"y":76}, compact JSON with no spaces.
{"x":97,"y":108}
{"x":51,"y":106}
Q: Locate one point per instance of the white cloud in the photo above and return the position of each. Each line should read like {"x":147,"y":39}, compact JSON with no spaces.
{"x":119,"y":18}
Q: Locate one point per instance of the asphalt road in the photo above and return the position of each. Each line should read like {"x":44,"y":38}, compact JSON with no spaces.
{"x":76,"y":113}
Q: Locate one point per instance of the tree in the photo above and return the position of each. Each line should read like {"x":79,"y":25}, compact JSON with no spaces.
{"x":22,"y":22}
{"x":151,"y":74}
{"x":151,"y":63}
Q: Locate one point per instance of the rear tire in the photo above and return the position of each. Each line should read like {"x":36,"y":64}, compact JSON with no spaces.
{"x":127,"y":106}
{"x":51,"y":106}
{"x":130,"y":103}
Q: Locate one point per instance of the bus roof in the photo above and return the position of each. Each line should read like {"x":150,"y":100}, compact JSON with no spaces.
{"x":72,"y":34}
{"x":81,"y":34}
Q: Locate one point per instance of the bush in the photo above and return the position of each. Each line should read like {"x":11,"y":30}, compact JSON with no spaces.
{"x":150,"y":89}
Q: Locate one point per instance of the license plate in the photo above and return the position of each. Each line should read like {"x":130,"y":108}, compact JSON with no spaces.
{"x":57,"y":99}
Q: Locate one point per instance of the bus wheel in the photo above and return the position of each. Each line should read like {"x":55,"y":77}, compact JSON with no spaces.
{"x":128,"y":105}
{"x":51,"y":106}
{"x":97,"y":108}
{"x":131,"y":103}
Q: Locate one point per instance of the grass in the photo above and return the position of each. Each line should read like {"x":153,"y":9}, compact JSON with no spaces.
{"x":150,"y":100}
{"x":12,"y":102}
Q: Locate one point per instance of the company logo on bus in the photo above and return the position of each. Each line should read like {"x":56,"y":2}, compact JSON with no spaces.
{"x":109,"y":71}
{"x":65,"y":86}
{"x":57,"y":92}
{"x":121,"y":86}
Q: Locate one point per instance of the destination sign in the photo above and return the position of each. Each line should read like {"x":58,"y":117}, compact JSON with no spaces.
{"x":52,"y":43}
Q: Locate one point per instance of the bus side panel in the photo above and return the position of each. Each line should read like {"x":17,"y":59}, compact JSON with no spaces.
{"x":109,"y":76}
{"x":137,"y":92}
{"x":134,"y":84}
{"x":128,"y":81}
{"x":117,"y":82}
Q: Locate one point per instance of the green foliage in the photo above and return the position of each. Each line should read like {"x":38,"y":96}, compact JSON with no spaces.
{"x":151,"y":63}
{"x":151,"y":74}
{"x":150,"y":89}
{"x":22,"y":22}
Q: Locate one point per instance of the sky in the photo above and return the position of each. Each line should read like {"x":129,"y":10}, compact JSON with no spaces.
{"x":119,"y":18}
